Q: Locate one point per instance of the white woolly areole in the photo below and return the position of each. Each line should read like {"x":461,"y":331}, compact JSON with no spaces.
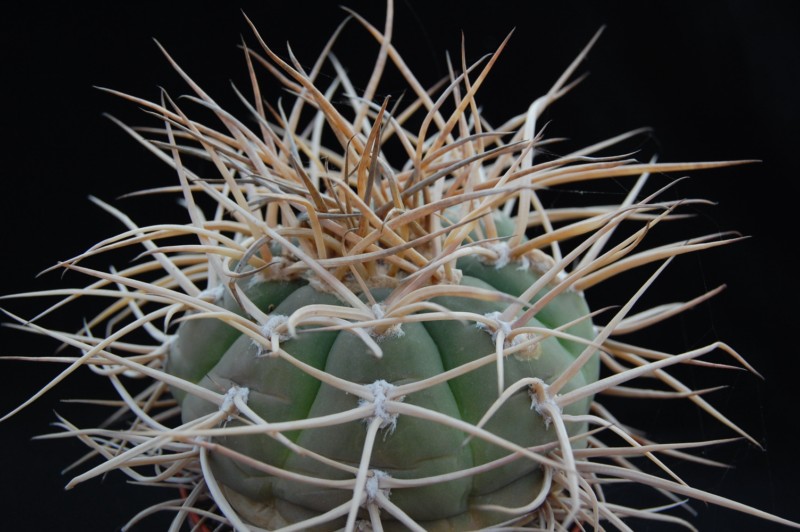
{"x":395,"y":331}
{"x":228,"y":405}
{"x":499,"y":325}
{"x":380,"y":390}
{"x":540,"y":262}
{"x":372,"y":487}
{"x":256,"y":279}
{"x":502,"y":254}
{"x":537,"y":402}
{"x":524,"y":263}
{"x":212,"y":294}
{"x":270,"y":331}
{"x":533,"y":348}
{"x":378,"y":310}
{"x":275,"y":322}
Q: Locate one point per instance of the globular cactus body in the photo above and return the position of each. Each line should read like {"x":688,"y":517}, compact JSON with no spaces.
{"x":351,"y":339}
{"x":409,"y":448}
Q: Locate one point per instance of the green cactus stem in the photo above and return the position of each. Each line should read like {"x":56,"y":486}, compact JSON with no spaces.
{"x":379,"y":324}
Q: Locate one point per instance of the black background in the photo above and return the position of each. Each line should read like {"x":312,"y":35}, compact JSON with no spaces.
{"x":715,"y":80}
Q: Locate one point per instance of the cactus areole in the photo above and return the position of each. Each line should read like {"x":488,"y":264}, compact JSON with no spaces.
{"x":374,"y":317}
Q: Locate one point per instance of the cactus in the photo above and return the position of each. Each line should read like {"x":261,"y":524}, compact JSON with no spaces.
{"x":379,"y":323}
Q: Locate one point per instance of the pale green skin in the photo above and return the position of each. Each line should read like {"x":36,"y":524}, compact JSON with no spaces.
{"x":216,"y":356}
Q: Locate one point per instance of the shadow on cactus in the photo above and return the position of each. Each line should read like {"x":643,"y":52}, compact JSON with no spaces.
{"x":379,"y":324}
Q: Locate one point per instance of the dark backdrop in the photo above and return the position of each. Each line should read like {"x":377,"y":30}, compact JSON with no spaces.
{"x":715,"y":80}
